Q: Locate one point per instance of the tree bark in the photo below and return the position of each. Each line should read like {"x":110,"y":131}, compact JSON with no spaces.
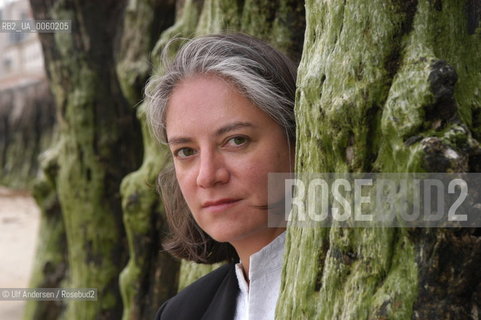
{"x":99,"y":145}
{"x":386,"y":87}
{"x":151,"y":275}
{"x":51,"y":263}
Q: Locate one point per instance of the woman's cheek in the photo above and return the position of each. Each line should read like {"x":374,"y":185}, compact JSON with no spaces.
{"x":187,"y":185}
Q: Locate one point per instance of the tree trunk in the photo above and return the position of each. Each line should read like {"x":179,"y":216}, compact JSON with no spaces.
{"x":99,"y":145}
{"x":51,"y":263}
{"x":150,"y":276}
{"x":386,"y":87}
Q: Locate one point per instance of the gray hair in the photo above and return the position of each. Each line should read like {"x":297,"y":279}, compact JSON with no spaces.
{"x":261,"y":73}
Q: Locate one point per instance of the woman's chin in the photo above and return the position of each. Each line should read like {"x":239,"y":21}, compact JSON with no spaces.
{"x":235,"y":236}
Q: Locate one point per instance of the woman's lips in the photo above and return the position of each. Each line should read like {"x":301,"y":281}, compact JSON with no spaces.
{"x":220,"y":205}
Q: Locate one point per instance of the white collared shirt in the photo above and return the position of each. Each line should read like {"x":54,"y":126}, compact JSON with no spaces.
{"x":258,"y":300}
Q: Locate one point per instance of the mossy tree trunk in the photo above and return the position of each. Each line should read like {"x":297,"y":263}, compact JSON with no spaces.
{"x":387,"y":86}
{"x":51,"y":261}
{"x":151,"y":274}
{"x":99,"y":144}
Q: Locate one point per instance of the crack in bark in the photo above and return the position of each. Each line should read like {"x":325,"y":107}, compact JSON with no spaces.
{"x":449,"y":274}
{"x":321,"y":261}
{"x":473,"y":15}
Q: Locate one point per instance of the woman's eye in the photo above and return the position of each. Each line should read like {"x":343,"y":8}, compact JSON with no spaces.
{"x":184,"y":152}
{"x":237,"y":141}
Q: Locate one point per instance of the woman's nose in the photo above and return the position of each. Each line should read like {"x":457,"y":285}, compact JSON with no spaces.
{"x":212,"y":170}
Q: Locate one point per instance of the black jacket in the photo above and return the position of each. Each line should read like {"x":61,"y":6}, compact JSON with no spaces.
{"x":212,"y":297}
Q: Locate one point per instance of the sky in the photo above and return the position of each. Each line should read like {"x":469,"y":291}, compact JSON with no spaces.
{"x":2,"y":2}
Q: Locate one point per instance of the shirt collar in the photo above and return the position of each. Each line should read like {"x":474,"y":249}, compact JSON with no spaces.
{"x":263,"y":263}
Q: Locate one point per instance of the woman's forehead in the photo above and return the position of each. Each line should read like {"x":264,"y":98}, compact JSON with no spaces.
{"x":208,"y":104}
{"x":207,"y":96}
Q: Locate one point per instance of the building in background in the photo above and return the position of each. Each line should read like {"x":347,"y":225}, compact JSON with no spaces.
{"x":27,"y":107}
{"x":21,"y":60}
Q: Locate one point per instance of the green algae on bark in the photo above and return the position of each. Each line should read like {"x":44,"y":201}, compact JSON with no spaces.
{"x":150,"y":276}
{"x":383,"y":87}
{"x":51,"y":266}
{"x":99,"y":146}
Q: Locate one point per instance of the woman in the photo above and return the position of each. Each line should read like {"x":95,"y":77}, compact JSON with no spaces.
{"x":224,"y":107}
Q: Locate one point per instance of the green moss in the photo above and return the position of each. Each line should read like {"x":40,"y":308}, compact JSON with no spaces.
{"x":140,"y":203}
{"x":50,"y":265}
{"x":219,"y":16}
{"x":191,"y":271}
{"x":258,"y":17}
{"x":184,"y":27}
{"x":365,"y":101}
{"x":90,"y":172}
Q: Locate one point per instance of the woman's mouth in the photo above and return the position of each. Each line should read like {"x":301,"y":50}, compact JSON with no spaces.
{"x":219,"y":205}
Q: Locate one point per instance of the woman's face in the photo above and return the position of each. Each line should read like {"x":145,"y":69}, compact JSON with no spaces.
{"x":223,"y":148}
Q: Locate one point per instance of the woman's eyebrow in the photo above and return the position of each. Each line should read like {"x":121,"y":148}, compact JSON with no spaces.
{"x":233,"y":126}
{"x":178,"y":140}
{"x":222,"y":130}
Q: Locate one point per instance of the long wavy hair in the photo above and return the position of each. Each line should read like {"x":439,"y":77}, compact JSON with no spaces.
{"x":262,"y":74}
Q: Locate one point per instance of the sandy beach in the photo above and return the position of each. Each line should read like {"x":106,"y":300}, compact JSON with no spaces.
{"x":19,"y":222}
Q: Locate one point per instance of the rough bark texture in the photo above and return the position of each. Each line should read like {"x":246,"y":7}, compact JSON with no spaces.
{"x":51,"y":263}
{"x":27,"y":127}
{"x":150,"y":276}
{"x":386,"y":86}
{"x":99,"y":145}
